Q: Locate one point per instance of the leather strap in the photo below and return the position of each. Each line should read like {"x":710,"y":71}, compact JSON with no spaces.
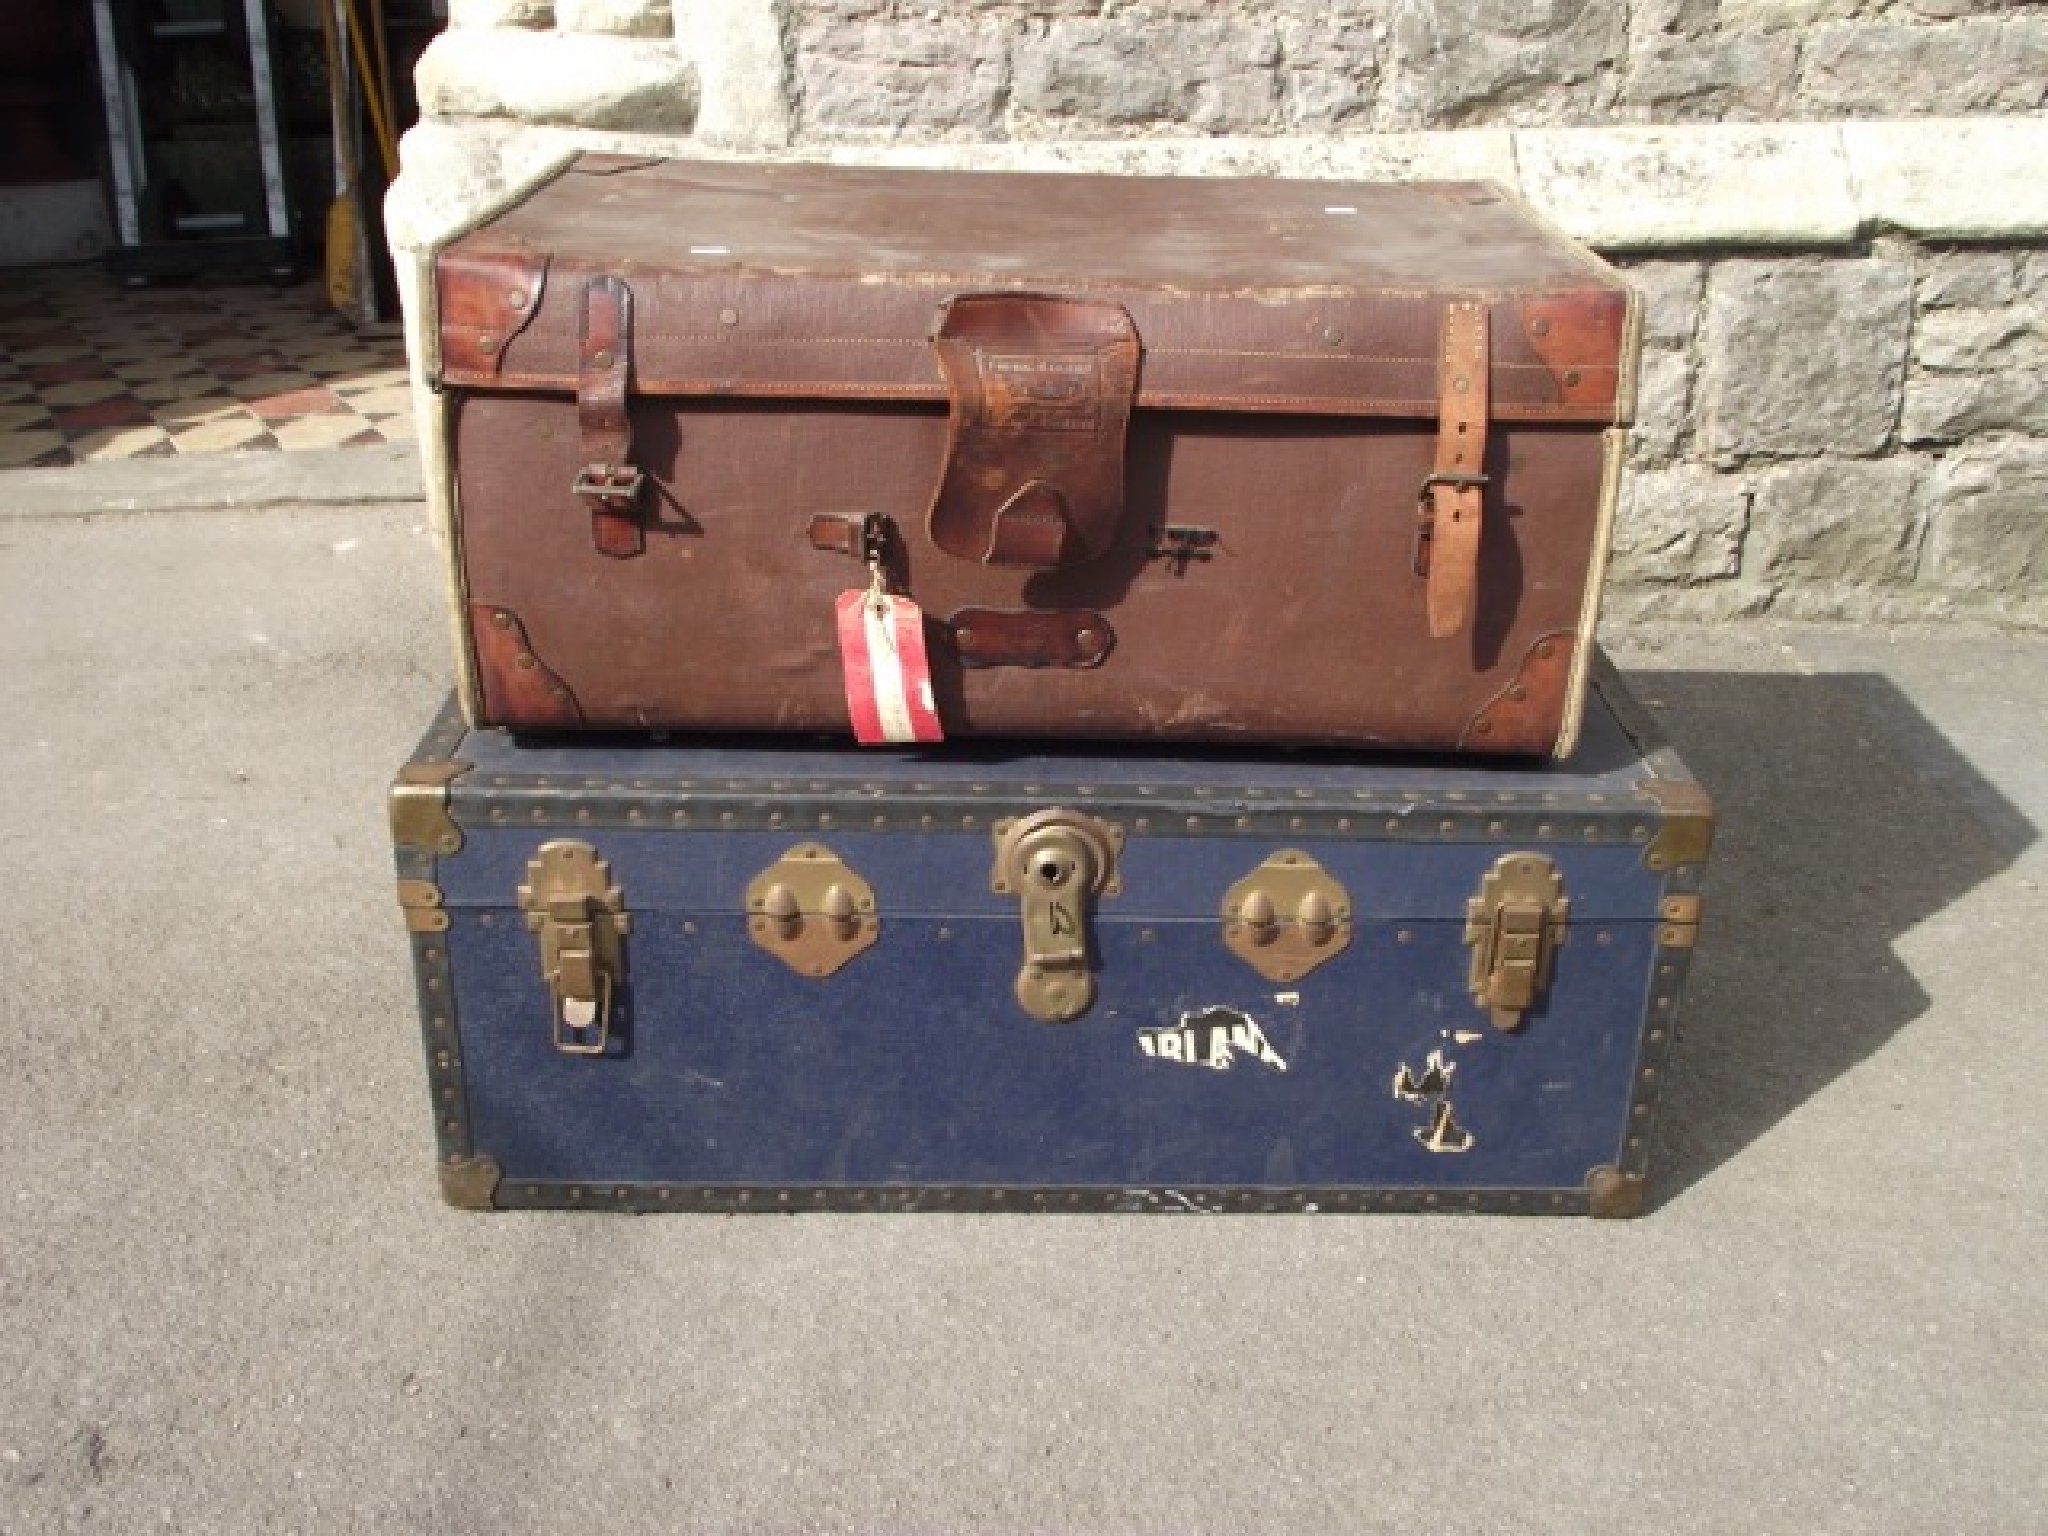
{"x":1455,"y":493}
{"x":607,"y":479}
{"x":1041,"y":391}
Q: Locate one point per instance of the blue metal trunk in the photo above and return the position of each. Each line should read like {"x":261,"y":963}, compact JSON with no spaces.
{"x":1233,"y":1055}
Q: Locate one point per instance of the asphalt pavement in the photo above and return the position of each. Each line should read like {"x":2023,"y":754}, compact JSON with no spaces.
{"x":232,"y":1301}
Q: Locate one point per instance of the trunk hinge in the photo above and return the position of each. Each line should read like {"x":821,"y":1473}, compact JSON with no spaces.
{"x":1678,"y":921}
{"x":420,"y":900}
{"x":581,"y":919}
{"x":1514,"y":927}
{"x":607,"y":480}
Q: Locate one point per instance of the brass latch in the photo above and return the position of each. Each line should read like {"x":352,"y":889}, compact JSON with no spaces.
{"x":581,"y":917}
{"x":1056,"y":862}
{"x":1287,"y":916}
{"x":812,"y":912}
{"x":1514,"y":927}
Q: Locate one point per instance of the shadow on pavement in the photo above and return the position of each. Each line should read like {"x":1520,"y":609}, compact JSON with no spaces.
{"x":1846,"y":819}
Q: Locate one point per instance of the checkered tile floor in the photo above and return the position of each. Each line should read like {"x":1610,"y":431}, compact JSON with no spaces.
{"x":90,"y":370}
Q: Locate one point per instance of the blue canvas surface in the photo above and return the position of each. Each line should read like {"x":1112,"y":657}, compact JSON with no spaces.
{"x":915,"y":1065}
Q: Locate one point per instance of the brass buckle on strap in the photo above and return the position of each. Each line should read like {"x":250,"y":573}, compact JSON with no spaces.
{"x":1452,"y":478}
{"x":609,"y":482}
{"x":1425,"y":509}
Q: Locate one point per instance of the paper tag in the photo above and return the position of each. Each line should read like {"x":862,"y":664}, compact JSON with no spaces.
{"x":888,"y":675}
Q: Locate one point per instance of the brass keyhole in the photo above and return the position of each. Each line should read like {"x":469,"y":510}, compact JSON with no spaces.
{"x":1052,"y":871}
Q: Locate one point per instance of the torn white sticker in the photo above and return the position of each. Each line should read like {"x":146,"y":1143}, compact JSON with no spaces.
{"x":1431,"y":1088}
{"x":1443,"y":1134}
{"x":1212,"y":1038}
{"x":1432,"y":1082}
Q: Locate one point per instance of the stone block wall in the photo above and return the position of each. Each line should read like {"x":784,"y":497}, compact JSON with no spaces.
{"x":869,"y":71}
{"x":1863,"y":435}
{"x":1833,"y":208}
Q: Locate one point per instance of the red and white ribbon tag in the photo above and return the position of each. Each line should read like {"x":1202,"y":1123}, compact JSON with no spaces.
{"x":888,"y":674}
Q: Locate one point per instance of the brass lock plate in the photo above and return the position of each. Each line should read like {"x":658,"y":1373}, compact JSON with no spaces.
{"x":1514,"y":927}
{"x":1057,"y":863}
{"x":1287,"y":916}
{"x":581,"y":921}
{"x":811,"y":911}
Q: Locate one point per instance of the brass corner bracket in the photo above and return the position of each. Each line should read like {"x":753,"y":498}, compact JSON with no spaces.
{"x":1687,"y":833}
{"x":471,"y":1183}
{"x":1615,"y":1195}
{"x":419,"y":807}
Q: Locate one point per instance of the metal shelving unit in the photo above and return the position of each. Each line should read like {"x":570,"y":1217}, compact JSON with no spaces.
{"x":160,"y":229}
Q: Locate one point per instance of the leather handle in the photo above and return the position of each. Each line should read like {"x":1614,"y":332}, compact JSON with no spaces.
{"x":1041,"y":389}
{"x":1075,"y":638}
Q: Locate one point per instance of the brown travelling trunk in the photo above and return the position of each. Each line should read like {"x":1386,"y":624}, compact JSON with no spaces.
{"x":1156,"y":459}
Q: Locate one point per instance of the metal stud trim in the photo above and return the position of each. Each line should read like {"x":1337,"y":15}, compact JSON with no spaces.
{"x":737,"y":1199}
{"x":1668,"y":967}
{"x":434,"y":982}
{"x":1520,"y":818}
